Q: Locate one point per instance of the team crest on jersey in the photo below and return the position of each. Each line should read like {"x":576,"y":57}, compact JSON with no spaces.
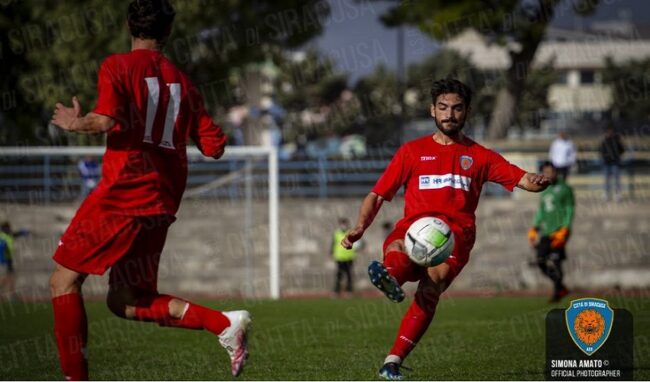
{"x":466,"y":162}
{"x":589,"y":321}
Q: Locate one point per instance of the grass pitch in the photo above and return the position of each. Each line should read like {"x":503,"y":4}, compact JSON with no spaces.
{"x":471,"y":338}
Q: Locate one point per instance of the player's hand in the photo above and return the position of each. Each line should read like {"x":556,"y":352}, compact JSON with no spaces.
{"x":559,"y":238}
{"x":353,"y":235}
{"x":64,"y":117}
{"x":539,"y":179}
{"x":532,"y":236}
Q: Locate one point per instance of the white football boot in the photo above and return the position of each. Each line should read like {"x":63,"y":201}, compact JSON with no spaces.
{"x":234,"y":339}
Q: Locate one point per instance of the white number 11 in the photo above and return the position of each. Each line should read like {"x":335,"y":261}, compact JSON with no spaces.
{"x":173,"y":107}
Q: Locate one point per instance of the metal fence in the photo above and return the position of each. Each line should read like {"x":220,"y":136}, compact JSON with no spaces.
{"x":52,"y":175}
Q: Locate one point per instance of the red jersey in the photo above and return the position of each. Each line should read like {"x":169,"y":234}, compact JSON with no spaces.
{"x":156,"y":109}
{"x":444,"y":179}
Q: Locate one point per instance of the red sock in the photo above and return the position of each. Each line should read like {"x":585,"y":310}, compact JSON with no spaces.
{"x":401,"y":267}
{"x":414,"y":324}
{"x":210,"y":320}
{"x":156,"y":308}
{"x":71,"y":332}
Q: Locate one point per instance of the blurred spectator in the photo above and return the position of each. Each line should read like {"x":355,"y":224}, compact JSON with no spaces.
{"x":611,"y":150}
{"x":562,"y":154}
{"x":271,"y":133}
{"x":89,"y":171}
{"x":353,"y":147}
{"x":551,"y":229}
{"x":236,"y":117}
{"x":7,"y":277}
{"x":344,"y":258}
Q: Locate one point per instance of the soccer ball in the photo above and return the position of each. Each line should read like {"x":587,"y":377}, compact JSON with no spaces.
{"x":429,"y":241}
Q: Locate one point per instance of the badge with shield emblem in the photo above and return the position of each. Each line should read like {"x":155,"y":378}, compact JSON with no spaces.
{"x":466,"y":162}
{"x":589,"y":321}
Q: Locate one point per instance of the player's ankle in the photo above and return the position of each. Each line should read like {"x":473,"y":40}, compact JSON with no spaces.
{"x":393,"y":358}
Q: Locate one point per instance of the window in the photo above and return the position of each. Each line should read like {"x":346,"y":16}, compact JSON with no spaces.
{"x":587,"y":77}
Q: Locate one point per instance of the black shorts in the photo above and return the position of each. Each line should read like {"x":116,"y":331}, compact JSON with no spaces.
{"x":545,"y":252}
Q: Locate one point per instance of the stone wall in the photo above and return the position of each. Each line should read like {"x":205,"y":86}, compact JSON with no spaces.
{"x":206,"y":247}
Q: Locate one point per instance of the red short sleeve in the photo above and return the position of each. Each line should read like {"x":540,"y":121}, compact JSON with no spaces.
{"x":395,"y":175}
{"x":109,"y":94}
{"x":503,"y":172}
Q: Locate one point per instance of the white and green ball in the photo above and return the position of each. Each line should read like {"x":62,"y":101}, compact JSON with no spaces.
{"x":429,"y":241}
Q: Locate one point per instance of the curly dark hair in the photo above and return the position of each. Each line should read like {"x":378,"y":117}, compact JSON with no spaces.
{"x":150,"y":19}
{"x":546,"y":163}
{"x":448,"y":86}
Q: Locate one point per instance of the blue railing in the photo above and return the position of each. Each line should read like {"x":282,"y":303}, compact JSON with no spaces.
{"x":54,"y":177}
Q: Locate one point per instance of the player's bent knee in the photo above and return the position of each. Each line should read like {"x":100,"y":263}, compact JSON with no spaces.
{"x":397,"y":245}
{"x":64,"y":281}
{"x":121,"y":302}
{"x":438,"y":275}
{"x":116,"y":305}
{"x":177,"y":308}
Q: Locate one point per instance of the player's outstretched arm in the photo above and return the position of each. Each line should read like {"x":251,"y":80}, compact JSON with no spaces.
{"x":533,"y":182}
{"x":369,"y":209}
{"x":70,"y":119}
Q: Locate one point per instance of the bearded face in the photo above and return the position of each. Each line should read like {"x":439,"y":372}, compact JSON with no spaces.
{"x":450,"y":113}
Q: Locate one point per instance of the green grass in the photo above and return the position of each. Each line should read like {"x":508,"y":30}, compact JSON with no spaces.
{"x":470,"y":338}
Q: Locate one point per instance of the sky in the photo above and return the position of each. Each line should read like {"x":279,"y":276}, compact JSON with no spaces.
{"x":356,"y":39}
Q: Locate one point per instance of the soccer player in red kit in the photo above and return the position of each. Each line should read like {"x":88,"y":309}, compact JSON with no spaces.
{"x":442,"y":175}
{"x":148,"y":109}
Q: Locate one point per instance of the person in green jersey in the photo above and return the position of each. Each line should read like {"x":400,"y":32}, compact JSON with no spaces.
{"x":551,"y":229}
{"x":344,"y":258}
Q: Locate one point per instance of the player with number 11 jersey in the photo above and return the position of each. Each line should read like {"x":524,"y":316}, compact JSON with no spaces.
{"x":156,"y":109}
{"x":149,"y":110}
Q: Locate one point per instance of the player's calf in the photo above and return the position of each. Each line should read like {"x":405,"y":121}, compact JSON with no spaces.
{"x":70,"y":322}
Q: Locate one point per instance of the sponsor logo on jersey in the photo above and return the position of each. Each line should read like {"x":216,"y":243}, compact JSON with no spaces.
{"x":433,"y":182}
{"x":466,"y":162}
{"x":428,"y":157}
{"x":589,"y":322}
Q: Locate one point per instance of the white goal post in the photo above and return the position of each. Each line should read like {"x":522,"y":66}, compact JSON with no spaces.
{"x":232,"y":152}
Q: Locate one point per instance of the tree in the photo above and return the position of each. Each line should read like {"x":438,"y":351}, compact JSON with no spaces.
{"x":534,"y":100}
{"x":446,"y":63}
{"x":54,"y":48}
{"x":630,"y":84}
{"x":311,"y":91}
{"x":378,"y":94}
{"x":380,"y":107}
{"x":517,"y":25}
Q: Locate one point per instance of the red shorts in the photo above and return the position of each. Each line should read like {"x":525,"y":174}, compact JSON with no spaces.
{"x":97,"y":240}
{"x":463,"y":243}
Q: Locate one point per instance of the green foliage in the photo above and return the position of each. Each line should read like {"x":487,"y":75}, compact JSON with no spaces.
{"x":308,"y":83}
{"x":535,"y":96}
{"x":380,"y":106}
{"x":503,"y":21}
{"x":54,"y":48}
{"x":630,"y":83}
{"x":448,"y":63}
{"x":517,"y":25}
